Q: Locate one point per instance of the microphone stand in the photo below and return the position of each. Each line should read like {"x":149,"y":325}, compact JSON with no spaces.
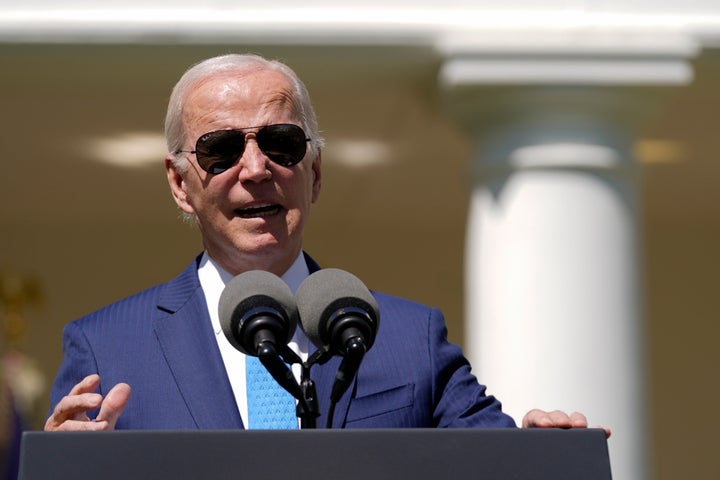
{"x":308,"y":409}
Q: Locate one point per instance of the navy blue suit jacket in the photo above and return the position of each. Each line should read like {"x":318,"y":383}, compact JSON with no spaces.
{"x":160,"y":341}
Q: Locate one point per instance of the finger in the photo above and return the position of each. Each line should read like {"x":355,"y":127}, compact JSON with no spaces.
{"x":84,"y":425}
{"x":86,"y":385}
{"x":578,"y":420}
{"x":114,"y":404}
{"x":560,"y":419}
{"x":73,"y":407}
{"x":536,"y":418}
{"x":556,"y":419}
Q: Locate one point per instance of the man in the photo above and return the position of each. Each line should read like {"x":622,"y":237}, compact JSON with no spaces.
{"x":244,"y":163}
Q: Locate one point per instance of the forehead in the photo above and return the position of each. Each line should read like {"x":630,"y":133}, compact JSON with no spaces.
{"x":240,"y":99}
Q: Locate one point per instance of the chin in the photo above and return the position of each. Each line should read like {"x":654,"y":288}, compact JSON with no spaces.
{"x":270,"y":252}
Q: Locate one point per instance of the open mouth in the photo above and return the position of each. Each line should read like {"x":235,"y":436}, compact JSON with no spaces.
{"x":258,"y":211}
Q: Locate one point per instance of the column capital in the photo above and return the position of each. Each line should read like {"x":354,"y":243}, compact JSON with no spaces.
{"x":582,"y":78}
{"x":567,"y":57}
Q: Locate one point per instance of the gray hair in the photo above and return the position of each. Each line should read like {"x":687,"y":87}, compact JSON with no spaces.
{"x":240,"y":63}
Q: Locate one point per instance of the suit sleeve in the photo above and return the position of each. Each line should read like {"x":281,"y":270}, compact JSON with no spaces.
{"x":459,"y":400}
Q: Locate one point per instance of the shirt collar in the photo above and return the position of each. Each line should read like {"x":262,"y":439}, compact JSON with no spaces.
{"x":295,"y":275}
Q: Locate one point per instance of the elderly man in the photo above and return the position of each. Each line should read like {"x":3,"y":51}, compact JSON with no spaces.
{"x":244,"y":163}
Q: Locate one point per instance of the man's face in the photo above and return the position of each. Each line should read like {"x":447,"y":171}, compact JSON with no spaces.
{"x":252,"y":215}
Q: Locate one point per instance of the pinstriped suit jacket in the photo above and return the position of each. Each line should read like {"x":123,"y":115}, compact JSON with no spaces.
{"x":160,"y":341}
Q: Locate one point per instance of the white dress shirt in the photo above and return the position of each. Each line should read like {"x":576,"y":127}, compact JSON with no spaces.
{"x":213,"y":280}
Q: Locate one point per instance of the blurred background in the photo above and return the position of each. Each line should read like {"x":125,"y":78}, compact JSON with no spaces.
{"x":430,"y":115}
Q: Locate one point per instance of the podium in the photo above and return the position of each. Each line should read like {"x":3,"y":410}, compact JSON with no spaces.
{"x":399,"y":454}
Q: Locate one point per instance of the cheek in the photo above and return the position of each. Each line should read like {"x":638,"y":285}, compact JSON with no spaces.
{"x":207,"y":202}
{"x":299,"y":188}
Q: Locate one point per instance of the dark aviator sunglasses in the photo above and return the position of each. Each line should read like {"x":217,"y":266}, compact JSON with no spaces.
{"x":217,"y":151}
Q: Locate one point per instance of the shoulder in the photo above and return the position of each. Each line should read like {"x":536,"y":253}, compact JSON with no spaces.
{"x":403,"y":307}
{"x":165,"y":296}
{"x":139,"y":301}
{"x":412,"y":321}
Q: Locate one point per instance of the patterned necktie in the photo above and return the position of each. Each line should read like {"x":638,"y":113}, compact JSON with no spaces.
{"x":270,"y":406}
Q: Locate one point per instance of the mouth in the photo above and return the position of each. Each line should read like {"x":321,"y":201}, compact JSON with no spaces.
{"x":258,"y":211}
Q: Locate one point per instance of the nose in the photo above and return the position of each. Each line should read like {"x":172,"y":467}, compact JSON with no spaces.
{"x":253,"y":163}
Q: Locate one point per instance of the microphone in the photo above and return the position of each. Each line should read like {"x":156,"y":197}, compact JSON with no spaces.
{"x":340,"y":315}
{"x":258,"y":316}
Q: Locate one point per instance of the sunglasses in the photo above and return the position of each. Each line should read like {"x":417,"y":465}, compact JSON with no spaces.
{"x":217,"y":151}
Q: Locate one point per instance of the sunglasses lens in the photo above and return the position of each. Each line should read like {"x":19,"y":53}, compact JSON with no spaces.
{"x":219,"y":150}
{"x":284,"y":144}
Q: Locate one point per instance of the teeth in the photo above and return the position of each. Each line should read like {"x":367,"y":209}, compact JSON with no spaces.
{"x":259,"y":211}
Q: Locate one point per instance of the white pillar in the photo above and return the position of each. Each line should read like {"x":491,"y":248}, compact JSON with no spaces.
{"x":553,"y":314}
{"x":552,"y":281}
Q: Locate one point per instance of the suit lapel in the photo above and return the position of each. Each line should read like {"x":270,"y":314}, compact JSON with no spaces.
{"x":184,"y":331}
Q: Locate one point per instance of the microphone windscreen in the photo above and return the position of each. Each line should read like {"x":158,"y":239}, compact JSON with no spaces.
{"x":324,"y":293}
{"x":254,"y":292}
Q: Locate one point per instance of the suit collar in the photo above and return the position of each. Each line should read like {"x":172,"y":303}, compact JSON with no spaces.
{"x":311,"y":263}
{"x":180,"y":289}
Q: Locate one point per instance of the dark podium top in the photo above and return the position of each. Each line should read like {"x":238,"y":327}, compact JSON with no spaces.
{"x":422,"y":454}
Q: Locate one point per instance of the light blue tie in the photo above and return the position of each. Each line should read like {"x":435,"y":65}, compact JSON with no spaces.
{"x":270,"y":406}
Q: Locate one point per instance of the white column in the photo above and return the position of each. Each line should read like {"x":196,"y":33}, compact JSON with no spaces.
{"x":553,"y":282}
{"x":553,"y":309}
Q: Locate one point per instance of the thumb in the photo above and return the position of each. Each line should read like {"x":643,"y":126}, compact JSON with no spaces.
{"x":113,"y":404}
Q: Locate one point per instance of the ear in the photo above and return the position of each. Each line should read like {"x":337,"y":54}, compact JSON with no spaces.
{"x":317,"y":176}
{"x":178,"y":187}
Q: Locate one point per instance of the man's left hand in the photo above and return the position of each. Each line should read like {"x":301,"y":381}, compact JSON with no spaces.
{"x":556,"y":419}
